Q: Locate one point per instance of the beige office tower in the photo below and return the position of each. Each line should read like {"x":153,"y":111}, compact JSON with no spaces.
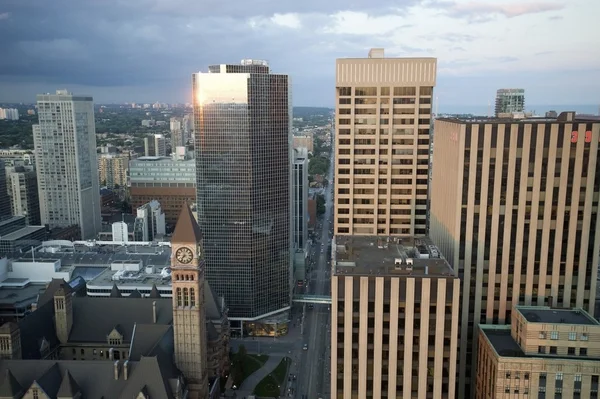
{"x":383,"y":116}
{"x":394,"y":319}
{"x":544,"y":353}
{"x":514,"y":208}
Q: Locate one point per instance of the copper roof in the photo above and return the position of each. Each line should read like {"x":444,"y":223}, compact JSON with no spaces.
{"x":186,"y":229}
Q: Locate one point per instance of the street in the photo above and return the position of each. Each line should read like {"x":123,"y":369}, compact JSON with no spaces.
{"x":314,"y":363}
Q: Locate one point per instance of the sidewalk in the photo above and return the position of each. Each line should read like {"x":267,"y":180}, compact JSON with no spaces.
{"x":253,"y":379}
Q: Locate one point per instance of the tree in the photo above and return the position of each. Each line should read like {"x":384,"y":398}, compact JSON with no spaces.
{"x":320,"y":204}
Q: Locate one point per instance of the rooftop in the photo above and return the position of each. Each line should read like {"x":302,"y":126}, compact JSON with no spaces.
{"x":546,"y":314}
{"x":563,"y":117}
{"x":388,"y":256}
{"x":22,"y":232}
{"x":501,"y":340}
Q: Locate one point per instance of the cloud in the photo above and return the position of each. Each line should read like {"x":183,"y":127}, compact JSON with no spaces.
{"x":361,"y":23}
{"x":289,"y":20}
{"x":507,"y":9}
{"x":4,"y":15}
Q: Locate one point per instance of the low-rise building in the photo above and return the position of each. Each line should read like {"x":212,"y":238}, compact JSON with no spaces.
{"x":544,"y":353}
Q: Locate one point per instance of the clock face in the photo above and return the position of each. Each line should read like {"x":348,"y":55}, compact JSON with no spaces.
{"x":184,"y":255}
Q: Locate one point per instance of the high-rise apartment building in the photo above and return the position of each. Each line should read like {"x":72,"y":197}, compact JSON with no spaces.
{"x":242,"y":116}
{"x":67,"y":165}
{"x":545,"y":353}
{"x":150,"y":222}
{"x":509,"y":101}
{"x":514,"y":208}
{"x":9,"y":113}
{"x":170,"y":181}
{"x":383,"y":111}
{"x":23,"y":192}
{"x":155,"y":146}
{"x":394,"y":319}
{"x":300,"y":210}
{"x":113,"y":170}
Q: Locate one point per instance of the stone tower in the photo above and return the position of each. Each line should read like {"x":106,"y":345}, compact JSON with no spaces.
{"x":63,"y":312}
{"x":189,"y":319}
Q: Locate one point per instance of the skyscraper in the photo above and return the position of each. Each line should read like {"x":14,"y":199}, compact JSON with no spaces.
{"x":300,"y":198}
{"x":509,"y":101}
{"x":383,"y":109}
{"x":242,"y":117}
{"x":514,"y":207}
{"x":177,"y":133}
{"x":23,"y":192}
{"x":5,"y":204}
{"x":67,"y":166}
{"x":155,"y":146}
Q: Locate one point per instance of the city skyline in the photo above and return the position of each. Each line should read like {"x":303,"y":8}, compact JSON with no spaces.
{"x":556,"y":65}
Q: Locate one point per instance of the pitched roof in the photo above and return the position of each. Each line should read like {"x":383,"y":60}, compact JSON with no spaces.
{"x":10,"y":387}
{"x":186,"y":229}
{"x":95,"y":317}
{"x":135,"y":294}
{"x":115,"y":292}
{"x":68,"y":387}
{"x":154,"y":292}
{"x":95,"y":378}
{"x":146,"y":337}
{"x":36,"y":327}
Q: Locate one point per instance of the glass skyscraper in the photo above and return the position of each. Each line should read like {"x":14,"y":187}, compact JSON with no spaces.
{"x":242,"y":118}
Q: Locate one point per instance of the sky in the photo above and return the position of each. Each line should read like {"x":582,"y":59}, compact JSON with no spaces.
{"x":146,"y":50}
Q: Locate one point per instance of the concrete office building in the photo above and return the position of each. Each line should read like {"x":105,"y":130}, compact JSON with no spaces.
{"x":5,"y":206}
{"x":67,"y":165}
{"x":242,"y":117}
{"x":170,"y":181}
{"x":155,"y":146}
{"x":514,"y":208}
{"x":383,"y":114}
{"x":177,"y":133}
{"x":23,"y":192}
{"x":394,"y":319}
{"x":509,"y":101}
{"x":113,"y":170}
{"x":545,"y":353}
{"x":150,"y":222}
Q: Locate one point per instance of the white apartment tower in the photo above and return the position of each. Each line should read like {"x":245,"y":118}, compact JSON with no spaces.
{"x":67,"y":166}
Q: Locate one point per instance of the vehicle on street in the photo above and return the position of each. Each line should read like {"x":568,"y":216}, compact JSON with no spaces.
{"x":305,"y":347}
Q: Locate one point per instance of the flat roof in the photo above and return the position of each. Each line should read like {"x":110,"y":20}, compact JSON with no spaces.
{"x":546,"y":314}
{"x":22,"y":232}
{"x":132,"y":279}
{"x":18,"y":296}
{"x":525,"y":119}
{"x":501,"y":340}
{"x":388,"y":256}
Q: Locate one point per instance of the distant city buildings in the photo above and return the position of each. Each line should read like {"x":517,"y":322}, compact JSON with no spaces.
{"x":303,"y":141}
{"x":170,"y":181}
{"x":5,"y":206}
{"x":514,"y":208}
{"x":9,"y":113}
{"x":383,"y":111}
{"x":155,"y":146}
{"x":509,"y":101}
{"x":394,"y":319}
{"x":244,"y":172}
{"x":177,"y":133}
{"x":545,"y":352}
{"x":112,"y":170}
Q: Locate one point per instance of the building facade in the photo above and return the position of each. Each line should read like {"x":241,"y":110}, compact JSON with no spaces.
{"x":242,"y":116}
{"x":149,"y":222}
{"x":300,"y":198}
{"x":169,"y":181}
{"x":545,"y":353}
{"x":112,"y":170}
{"x":394,"y":319}
{"x":509,"y":101}
{"x":178,"y":138}
{"x":514,"y":207}
{"x":23,"y":192}
{"x":5,"y":203}
{"x":383,"y":114}
{"x":66,"y":162}
{"x":9,"y":113}
{"x":303,"y":141}
{"x":155,"y":146}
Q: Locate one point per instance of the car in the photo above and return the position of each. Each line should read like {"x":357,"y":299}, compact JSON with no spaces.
{"x":305,"y":347}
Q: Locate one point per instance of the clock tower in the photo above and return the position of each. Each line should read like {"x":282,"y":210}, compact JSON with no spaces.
{"x":189,"y":319}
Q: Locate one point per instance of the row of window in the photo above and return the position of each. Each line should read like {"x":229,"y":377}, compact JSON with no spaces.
{"x":554,"y":335}
{"x":385,"y":91}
